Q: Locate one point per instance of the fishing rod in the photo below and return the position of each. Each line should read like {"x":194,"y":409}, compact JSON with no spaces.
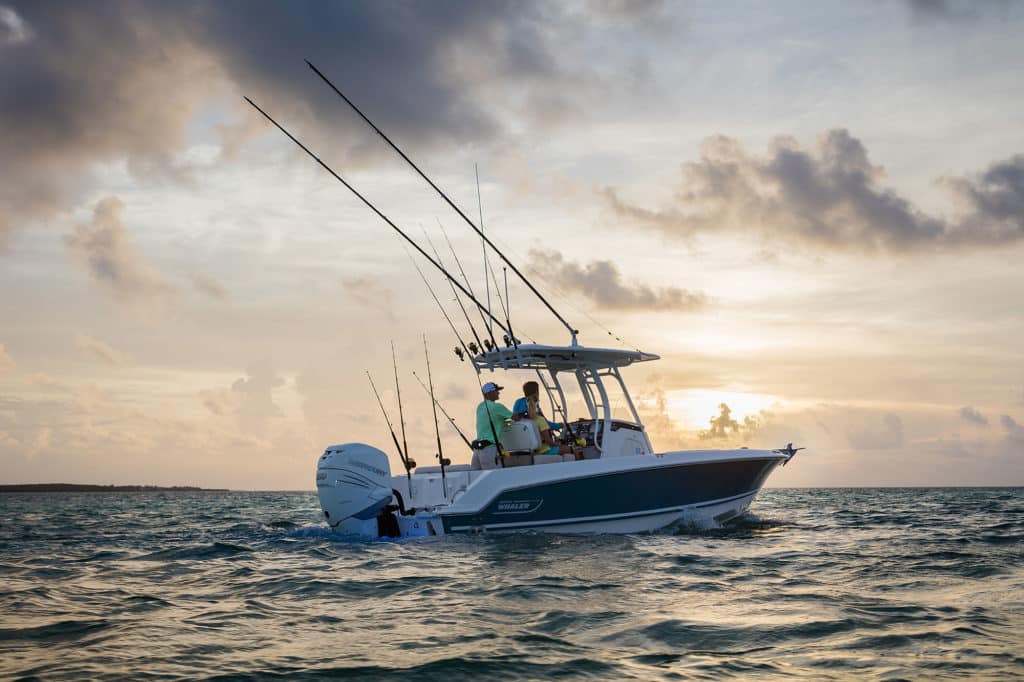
{"x":398,"y":390}
{"x":451,"y":203}
{"x":437,"y":430}
{"x":511,"y":338}
{"x":483,"y":243}
{"x":451,"y":420}
{"x":508,"y":341}
{"x":466,"y":280}
{"x":455,"y":292}
{"x":458,"y":351}
{"x":371,"y":206}
{"x":408,"y":463}
{"x":487,"y":260}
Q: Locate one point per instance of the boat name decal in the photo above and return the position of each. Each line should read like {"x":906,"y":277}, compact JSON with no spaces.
{"x":518,"y":506}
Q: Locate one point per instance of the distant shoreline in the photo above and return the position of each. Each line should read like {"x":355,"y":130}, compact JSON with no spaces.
{"x":86,"y":488}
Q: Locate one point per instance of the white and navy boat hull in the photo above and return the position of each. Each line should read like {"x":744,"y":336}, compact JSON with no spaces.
{"x":617,"y":495}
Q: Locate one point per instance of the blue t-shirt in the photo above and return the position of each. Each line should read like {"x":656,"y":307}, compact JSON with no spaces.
{"x":520,"y":408}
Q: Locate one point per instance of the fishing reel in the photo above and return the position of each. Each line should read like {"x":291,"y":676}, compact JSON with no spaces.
{"x":508,"y":340}
{"x":488,"y":345}
{"x":473,"y":348}
{"x":460,"y":354}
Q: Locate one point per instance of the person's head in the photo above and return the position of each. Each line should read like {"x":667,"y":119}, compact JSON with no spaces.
{"x":531,"y":389}
{"x":491,"y":390}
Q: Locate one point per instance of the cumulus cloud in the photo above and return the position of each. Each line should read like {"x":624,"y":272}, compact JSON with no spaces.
{"x":208,"y":286}
{"x":724,"y":426}
{"x":101,"y":351}
{"x":1014,"y":431}
{"x":253,"y":394}
{"x":601,"y":282}
{"x":969,"y":414}
{"x":102,"y":81}
{"x":830,"y":197}
{"x":108,"y":254}
{"x":889,"y":436}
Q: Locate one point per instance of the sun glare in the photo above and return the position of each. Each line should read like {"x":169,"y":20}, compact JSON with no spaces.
{"x":695,"y":407}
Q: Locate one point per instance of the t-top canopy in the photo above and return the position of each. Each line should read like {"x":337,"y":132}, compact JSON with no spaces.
{"x":559,"y":358}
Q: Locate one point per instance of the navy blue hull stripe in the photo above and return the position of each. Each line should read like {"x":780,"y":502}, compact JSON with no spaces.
{"x":593,"y":519}
{"x":623,"y":494}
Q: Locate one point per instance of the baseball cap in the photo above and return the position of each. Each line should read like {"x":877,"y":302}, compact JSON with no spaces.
{"x":491,"y":386}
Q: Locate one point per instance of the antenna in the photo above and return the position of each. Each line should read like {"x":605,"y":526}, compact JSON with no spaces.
{"x":398,"y":390}
{"x":371,"y":206}
{"x":430,"y":182}
{"x":440,"y":455}
{"x":409,"y":464}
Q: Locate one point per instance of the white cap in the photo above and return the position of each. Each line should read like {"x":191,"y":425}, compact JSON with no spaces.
{"x":491,"y":386}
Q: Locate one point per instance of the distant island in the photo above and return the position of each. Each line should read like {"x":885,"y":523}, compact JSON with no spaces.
{"x":84,"y":488}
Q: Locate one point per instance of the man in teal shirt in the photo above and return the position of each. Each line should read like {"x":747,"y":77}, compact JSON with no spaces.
{"x":490,"y":422}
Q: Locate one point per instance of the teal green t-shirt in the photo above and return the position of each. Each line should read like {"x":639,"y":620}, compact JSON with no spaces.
{"x":498,"y":412}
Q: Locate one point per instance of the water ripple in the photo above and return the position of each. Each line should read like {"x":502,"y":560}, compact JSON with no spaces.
{"x":815,"y":584}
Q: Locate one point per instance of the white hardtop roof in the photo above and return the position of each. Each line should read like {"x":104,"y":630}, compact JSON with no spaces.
{"x":560,"y":358}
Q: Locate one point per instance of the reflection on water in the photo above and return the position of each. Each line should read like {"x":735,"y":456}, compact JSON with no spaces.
{"x":816,"y":584}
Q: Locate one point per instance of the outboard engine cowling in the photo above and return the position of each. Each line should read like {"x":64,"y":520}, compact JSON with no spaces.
{"x":353,"y":481}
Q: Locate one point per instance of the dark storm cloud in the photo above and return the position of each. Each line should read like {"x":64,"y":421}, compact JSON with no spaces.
{"x":109,"y":81}
{"x":601,"y":282}
{"x":831,"y":197}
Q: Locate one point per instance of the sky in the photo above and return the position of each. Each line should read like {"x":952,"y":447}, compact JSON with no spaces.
{"x":812,"y":212}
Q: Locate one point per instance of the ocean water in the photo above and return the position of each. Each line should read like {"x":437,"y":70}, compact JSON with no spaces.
{"x":815,"y":584}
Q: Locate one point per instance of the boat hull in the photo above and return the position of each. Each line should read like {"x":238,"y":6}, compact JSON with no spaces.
{"x":635,"y":499}
{"x":632,"y":494}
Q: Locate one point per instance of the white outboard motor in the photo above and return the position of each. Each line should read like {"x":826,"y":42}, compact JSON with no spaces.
{"x":353,"y":481}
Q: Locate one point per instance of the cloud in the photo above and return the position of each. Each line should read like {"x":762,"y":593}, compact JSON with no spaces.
{"x":969,"y":414}
{"x":724,"y":426}
{"x":1014,"y":431}
{"x":100,"y":350}
{"x":207,"y":285}
{"x":368,"y":291}
{"x":954,"y":10}
{"x":102,"y":81}
{"x":91,"y":86}
{"x":830,"y":198}
{"x":7,"y":363}
{"x":13,"y":30}
{"x":601,"y":282}
{"x":109,"y":256}
{"x":254,"y":399}
{"x":888,"y":437}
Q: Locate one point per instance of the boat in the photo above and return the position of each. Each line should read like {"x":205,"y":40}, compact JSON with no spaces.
{"x":613,"y":482}
{"x":620,"y":486}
